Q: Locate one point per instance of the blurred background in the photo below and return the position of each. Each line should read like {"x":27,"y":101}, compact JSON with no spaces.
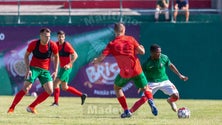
{"x":193,"y":46}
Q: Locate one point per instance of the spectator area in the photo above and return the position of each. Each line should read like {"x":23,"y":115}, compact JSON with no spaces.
{"x":133,"y":4}
{"x":141,"y":4}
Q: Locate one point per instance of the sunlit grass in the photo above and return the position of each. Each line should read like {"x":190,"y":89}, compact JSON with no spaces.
{"x":106,"y":111}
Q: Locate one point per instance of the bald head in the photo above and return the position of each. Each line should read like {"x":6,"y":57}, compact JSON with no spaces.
{"x":119,"y":29}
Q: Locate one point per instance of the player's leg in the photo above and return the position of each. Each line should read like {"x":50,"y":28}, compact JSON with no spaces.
{"x":74,"y":91}
{"x":64,"y":78}
{"x":27,"y":86}
{"x":154,"y":87}
{"x":148,"y":94}
{"x":172,"y":99}
{"x":48,"y":87}
{"x":118,"y":84}
{"x":56,"y":85}
{"x":46,"y":81}
{"x":138,"y":103}
{"x":141,"y":82}
{"x":56,"y":94}
{"x":122,"y":101}
{"x":169,"y":89}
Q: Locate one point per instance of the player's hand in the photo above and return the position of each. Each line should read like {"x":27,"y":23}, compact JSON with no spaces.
{"x":28,"y":74}
{"x":54,"y":75}
{"x":184,"y":78}
{"x":67,"y":66}
{"x":95,"y":61}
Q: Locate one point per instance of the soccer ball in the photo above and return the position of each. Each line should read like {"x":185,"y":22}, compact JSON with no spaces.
{"x":34,"y":94}
{"x":183,"y":112}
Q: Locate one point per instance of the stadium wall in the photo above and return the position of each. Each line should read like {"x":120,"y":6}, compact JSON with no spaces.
{"x":195,"y":48}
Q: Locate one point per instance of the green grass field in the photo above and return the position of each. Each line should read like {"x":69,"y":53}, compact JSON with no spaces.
{"x":106,"y":111}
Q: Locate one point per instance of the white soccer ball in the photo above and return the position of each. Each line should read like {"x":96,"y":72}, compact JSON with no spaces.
{"x":34,"y":94}
{"x":183,"y":112}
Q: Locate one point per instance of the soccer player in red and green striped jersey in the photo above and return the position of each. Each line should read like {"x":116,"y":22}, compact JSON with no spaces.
{"x":67,"y":56}
{"x":155,"y":71}
{"x":125,"y":49}
{"x":38,"y":67}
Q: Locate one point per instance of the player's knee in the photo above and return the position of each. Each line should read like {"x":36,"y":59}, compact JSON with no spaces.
{"x":64,"y":88}
{"x":49,"y":92}
{"x":116,"y":87}
{"x":144,"y":99}
{"x":26,"y":89}
{"x":175,"y":97}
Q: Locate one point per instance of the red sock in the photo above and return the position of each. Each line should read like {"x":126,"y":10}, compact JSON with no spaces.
{"x":17,"y":98}
{"x":74,"y":91}
{"x":140,"y":102}
{"x":43,"y":96}
{"x":148,"y":94}
{"x":122,"y":101}
{"x":56,"y":95}
{"x":173,"y":99}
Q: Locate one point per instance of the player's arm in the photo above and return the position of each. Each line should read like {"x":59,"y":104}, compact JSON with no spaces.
{"x":26,"y":59}
{"x":140,"y":50}
{"x":73,"y":58}
{"x":56,"y":65}
{"x":103,"y":55}
{"x":176,"y":71}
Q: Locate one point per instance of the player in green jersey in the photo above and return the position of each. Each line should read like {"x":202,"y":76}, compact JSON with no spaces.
{"x":155,"y":71}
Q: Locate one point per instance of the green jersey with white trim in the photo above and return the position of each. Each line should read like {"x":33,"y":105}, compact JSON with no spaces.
{"x":155,"y":70}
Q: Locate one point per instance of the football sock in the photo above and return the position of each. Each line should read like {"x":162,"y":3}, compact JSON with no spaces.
{"x":148,"y":94}
{"x":74,"y":91}
{"x":44,"y":95}
{"x":17,"y":98}
{"x":56,"y":95}
{"x":173,"y":99}
{"x":140,"y":102}
{"x":122,"y":101}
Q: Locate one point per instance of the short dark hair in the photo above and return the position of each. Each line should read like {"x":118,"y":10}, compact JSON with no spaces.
{"x":60,"y":32}
{"x":47,"y":30}
{"x":154,"y":47}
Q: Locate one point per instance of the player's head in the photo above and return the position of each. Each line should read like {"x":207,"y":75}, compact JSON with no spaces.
{"x":119,"y":29}
{"x":45,"y":34}
{"x":155,"y":51}
{"x":61,"y":36}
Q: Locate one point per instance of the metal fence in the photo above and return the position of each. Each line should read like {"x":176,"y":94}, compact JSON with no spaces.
{"x":56,"y":8}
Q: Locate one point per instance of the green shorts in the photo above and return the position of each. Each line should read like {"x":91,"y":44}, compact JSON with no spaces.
{"x":140,"y":81}
{"x":64,"y":74}
{"x":43,"y":75}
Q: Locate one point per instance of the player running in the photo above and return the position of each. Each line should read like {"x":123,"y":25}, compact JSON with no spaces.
{"x":38,"y":67}
{"x":155,"y":71}
{"x":67,"y":56}
{"x":124,"y":49}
